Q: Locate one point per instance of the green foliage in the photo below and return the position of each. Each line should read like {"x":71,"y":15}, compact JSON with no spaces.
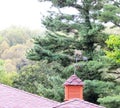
{"x":95,"y":89}
{"x":6,"y":78}
{"x":60,"y":47}
{"x":42,"y":79}
{"x":17,"y":35}
{"x":80,"y":31}
{"x":91,"y":70}
{"x":56,"y":92}
{"x":83,"y":25}
{"x":113,"y":45}
{"x":53,"y":47}
{"x":15,"y":41}
{"x":1,"y":38}
{"x":110,"y":13}
{"x":101,"y":91}
{"x":112,"y":100}
{"x":77,"y":31}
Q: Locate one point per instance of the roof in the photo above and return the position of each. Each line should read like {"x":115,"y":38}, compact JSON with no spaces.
{"x":77,"y":103}
{"x":73,"y":80}
{"x":15,"y":98}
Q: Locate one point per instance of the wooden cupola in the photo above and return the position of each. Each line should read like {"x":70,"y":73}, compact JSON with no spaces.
{"x":73,"y":88}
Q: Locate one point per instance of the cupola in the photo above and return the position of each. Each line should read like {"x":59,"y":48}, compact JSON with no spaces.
{"x":73,"y":88}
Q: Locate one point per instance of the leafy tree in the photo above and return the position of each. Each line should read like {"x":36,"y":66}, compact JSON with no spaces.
{"x":56,"y":92}
{"x":6,"y":78}
{"x":17,"y":35}
{"x":10,"y":66}
{"x":43,"y":79}
{"x":13,"y":45}
{"x":3,"y":46}
{"x":16,"y":51}
{"x":113,"y":52}
{"x":113,"y":45}
{"x":16,"y":54}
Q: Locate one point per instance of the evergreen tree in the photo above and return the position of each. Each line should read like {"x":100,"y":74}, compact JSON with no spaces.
{"x":40,"y":79}
{"x":68,"y":32}
{"x":84,"y":27}
{"x":111,"y":12}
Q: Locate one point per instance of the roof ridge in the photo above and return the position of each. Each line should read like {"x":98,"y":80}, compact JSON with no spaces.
{"x":77,"y":99}
{"x":31,"y":94}
{"x":63,"y":103}
{"x":92,"y":104}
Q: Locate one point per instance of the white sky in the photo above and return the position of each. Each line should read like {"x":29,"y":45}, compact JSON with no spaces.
{"x":24,"y":13}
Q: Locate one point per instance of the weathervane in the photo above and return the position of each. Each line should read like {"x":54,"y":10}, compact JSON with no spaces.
{"x":78,"y":56}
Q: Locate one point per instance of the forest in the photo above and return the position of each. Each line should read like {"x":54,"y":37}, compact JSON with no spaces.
{"x":39,"y":62}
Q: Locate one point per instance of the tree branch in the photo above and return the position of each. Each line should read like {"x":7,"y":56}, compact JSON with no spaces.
{"x":115,"y":72}
{"x":76,"y":6}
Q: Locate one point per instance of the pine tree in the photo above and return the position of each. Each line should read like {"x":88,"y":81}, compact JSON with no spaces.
{"x":69,"y":32}
{"x":111,"y":12}
{"x":84,"y":27}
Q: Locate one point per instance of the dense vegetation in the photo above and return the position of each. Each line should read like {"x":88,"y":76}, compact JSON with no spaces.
{"x":50,"y":60}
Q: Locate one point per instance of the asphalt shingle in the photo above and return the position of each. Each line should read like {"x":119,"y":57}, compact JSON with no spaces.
{"x":15,"y":98}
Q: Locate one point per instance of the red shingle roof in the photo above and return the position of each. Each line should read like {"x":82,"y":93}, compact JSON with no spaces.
{"x":77,"y":103}
{"x":73,"y":80}
{"x":14,"y":98}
